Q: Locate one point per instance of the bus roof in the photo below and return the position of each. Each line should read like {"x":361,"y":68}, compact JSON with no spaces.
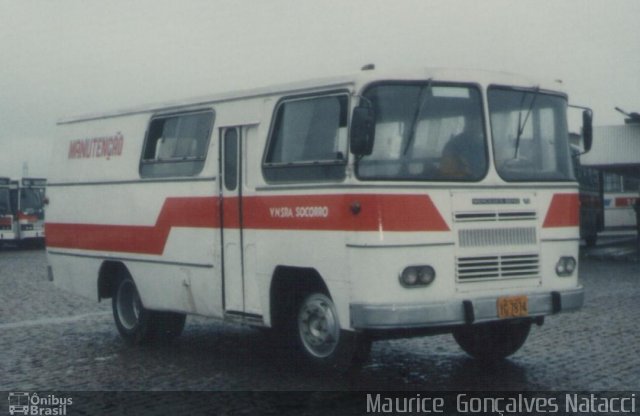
{"x":358,"y":79}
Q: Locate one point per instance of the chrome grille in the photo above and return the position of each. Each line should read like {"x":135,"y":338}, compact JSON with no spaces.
{"x":498,"y":267}
{"x":494,"y":216}
{"x":497,"y":237}
{"x":516,"y":216}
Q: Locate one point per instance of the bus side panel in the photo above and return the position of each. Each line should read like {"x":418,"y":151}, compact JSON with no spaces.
{"x":99,"y":150}
{"x":165,"y":231}
{"x":177,"y":288}
{"x":75,"y":274}
{"x":167,"y":238}
{"x":323,"y":251}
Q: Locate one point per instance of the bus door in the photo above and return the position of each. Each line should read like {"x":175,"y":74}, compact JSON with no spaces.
{"x":231,"y":220}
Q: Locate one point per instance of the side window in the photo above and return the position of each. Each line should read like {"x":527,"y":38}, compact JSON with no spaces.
{"x":308,"y":140}
{"x":176,"y":145}
{"x":231,"y":159}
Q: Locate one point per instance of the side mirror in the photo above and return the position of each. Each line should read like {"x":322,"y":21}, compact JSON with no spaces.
{"x":587,"y":129}
{"x":363,"y":130}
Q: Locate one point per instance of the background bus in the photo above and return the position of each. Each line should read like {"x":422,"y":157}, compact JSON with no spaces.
{"x":591,"y":199}
{"x":620,"y":193}
{"x":27,"y":202}
{"x":7,"y":226}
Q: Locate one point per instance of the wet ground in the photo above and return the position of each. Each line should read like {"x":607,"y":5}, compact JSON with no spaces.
{"x":55,"y":341}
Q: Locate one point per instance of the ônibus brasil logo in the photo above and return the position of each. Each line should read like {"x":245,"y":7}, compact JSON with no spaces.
{"x":33,"y":404}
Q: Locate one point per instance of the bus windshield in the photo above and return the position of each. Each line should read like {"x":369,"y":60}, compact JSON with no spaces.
{"x":426,"y":131}
{"x":5,"y":206}
{"x":31,"y":201}
{"x":530,"y":135}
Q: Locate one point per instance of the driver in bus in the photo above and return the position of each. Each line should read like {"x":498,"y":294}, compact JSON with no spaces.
{"x":464,"y":156}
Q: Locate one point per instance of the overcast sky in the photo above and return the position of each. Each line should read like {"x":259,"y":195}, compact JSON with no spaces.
{"x":67,"y":57}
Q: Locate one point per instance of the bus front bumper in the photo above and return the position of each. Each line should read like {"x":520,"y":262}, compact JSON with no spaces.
{"x":457,"y":312}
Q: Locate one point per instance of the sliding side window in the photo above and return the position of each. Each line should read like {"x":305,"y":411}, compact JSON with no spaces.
{"x":308,"y":140}
{"x":176,"y":145}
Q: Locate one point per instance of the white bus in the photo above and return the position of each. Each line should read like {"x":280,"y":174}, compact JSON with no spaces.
{"x":27,"y":200}
{"x":335,"y":211}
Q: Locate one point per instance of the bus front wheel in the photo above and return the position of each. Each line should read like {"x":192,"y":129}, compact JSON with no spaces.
{"x":494,"y":340}
{"x":319,"y":339}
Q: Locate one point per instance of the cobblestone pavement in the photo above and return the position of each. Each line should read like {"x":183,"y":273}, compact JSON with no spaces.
{"x":53,"y":340}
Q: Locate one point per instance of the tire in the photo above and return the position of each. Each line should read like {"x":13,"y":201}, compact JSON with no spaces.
{"x":138,"y":325}
{"x":132,"y":319}
{"x":492,"y":341}
{"x":318,"y":340}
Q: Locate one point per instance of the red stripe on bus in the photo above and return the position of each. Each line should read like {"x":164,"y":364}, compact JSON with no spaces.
{"x":362,"y":212}
{"x":564,"y":211}
{"x":176,"y":212}
{"x":410,"y":213}
{"x":26,"y":217}
{"x":625,"y":201}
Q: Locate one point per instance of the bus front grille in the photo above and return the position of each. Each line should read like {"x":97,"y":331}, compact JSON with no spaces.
{"x":498,"y":267}
{"x":514,"y":236}
{"x":489,"y":216}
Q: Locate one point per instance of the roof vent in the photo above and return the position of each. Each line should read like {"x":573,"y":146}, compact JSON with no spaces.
{"x":368,"y":67}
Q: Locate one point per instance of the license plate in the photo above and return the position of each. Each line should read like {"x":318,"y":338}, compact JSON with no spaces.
{"x":513,"y":307}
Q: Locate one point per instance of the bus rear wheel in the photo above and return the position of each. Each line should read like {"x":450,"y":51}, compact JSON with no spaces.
{"x":318,"y":338}
{"x":492,"y":341}
{"x":138,"y":325}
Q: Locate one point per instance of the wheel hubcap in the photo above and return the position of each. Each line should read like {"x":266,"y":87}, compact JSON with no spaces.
{"x":128,"y":305}
{"x":318,"y":326}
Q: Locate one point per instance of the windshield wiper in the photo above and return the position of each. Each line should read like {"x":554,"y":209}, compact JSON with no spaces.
{"x":423,"y":97}
{"x":523,"y":123}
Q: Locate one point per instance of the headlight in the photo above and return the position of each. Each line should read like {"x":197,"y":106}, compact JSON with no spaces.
{"x":416,"y":276}
{"x":566,"y":266}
